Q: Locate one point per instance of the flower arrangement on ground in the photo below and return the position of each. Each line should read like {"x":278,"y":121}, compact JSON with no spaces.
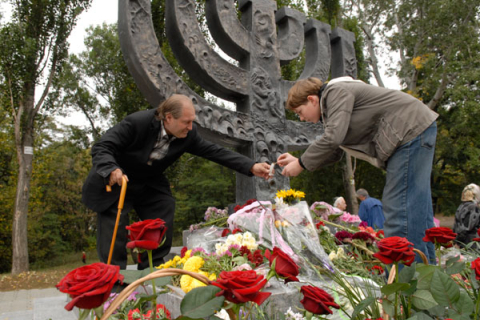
{"x":90,"y":286}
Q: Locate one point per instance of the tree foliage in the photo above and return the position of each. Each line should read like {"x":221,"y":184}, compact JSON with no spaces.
{"x":37,"y":45}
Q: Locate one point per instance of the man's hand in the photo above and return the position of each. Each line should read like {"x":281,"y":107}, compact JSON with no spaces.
{"x":290,"y":164}
{"x":261,"y":170}
{"x":116,"y":177}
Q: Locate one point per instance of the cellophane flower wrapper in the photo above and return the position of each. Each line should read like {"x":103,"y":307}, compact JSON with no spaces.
{"x":205,"y":238}
{"x":297,"y":237}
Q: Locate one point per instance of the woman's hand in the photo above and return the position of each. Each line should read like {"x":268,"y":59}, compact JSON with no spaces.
{"x":290,"y":164}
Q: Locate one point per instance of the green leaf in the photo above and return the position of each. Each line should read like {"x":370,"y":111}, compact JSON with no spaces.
{"x":453,"y":314}
{"x":407,"y":273}
{"x":455,"y":267}
{"x":394,"y":287}
{"x":362,"y":306}
{"x":412,"y":289}
{"x":444,"y":290}
{"x":388,"y":307}
{"x":201,"y":302}
{"x":464,"y":305}
{"x":425,"y":273}
{"x":423,"y":300}
{"x":438,"y":311}
{"x":420,"y":316}
{"x":334,"y":217}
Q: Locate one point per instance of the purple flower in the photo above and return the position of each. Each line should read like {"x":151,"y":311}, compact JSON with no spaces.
{"x":133,"y":296}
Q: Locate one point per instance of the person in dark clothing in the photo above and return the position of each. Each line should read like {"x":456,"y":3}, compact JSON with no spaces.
{"x":371,"y":210}
{"x":84,"y":257}
{"x":467,"y":216}
{"x":140,"y":148}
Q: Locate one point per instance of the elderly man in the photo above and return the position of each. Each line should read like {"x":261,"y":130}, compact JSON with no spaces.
{"x":140,"y":148}
{"x":371,"y":210}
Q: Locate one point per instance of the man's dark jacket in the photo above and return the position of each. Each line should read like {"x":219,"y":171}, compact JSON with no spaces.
{"x":128,"y":146}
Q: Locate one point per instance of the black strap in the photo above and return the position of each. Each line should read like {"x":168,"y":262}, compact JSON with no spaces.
{"x":320,"y":92}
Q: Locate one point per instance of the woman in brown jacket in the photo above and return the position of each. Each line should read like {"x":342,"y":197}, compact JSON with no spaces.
{"x":388,"y":128}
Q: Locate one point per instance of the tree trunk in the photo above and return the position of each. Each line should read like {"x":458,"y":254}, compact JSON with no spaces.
{"x":19,"y":228}
{"x":24,"y":147}
{"x":349,"y":184}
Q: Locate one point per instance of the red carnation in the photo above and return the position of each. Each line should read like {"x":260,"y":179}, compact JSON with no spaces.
{"x":183,"y":251}
{"x":319,"y":224}
{"x":364,"y":236}
{"x":225,"y":232}
{"x":343,"y":236}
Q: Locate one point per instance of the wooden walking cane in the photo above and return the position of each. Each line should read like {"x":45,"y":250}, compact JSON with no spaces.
{"x":121,"y":200}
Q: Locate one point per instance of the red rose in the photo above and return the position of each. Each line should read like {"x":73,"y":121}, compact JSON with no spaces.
{"x":319,"y":224}
{"x":317,"y":301}
{"x":439,"y":235}
{"x":395,"y":249}
{"x":242,"y":286}
{"x":147,"y":234}
{"x":285,"y":267}
{"x":236,"y":230}
{"x":89,"y":286}
{"x":380,"y":234}
{"x":225,"y":232}
{"x":476,"y":267}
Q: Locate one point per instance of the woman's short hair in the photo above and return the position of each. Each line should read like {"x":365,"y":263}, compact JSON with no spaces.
{"x":298,"y":94}
{"x":172,"y":105}
{"x":471,"y":193}
{"x":337,"y":201}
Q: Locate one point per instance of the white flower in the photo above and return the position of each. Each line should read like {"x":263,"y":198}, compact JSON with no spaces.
{"x":341,"y":253}
{"x":290,"y":315}
{"x":332,"y":256}
{"x":247,"y":235}
{"x":220,"y":248}
{"x":238,"y":238}
{"x":222,"y":314}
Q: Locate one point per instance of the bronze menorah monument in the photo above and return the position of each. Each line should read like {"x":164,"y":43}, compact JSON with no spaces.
{"x":262,"y":40}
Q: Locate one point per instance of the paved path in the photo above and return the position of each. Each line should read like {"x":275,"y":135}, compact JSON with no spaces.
{"x":43,"y":304}
{"x":36,"y":304}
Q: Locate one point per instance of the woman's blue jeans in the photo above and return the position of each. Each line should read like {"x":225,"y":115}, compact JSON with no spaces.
{"x":407,"y":196}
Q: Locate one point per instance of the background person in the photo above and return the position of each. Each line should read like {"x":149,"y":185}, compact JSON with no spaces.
{"x":388,"y":128}
{"x":141,"y":147}
{"x":340,"y":203}
{"x":371,"y":210}
{"x":467,"y":216}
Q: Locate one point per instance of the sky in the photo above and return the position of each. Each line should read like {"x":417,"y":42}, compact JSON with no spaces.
{"x":101,"y":11}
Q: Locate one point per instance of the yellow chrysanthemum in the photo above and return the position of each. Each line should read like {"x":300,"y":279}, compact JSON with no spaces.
{"x":193,"y":264}
{"x":187,"y":254}
{"x":188,"y":283}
